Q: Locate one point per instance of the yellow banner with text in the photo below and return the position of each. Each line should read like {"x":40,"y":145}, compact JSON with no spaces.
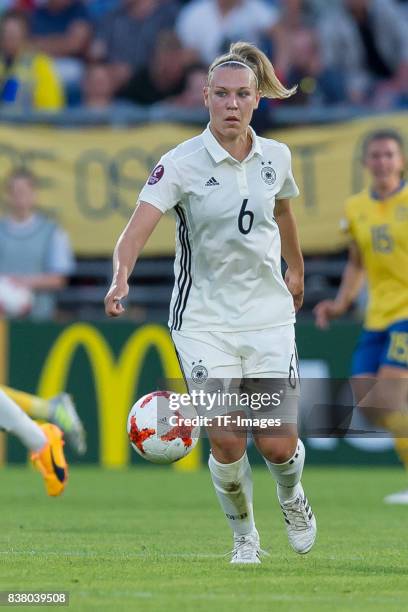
{"x":89,"y":179}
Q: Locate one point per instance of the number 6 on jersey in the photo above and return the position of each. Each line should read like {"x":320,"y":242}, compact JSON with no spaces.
{"x":245,"y":213}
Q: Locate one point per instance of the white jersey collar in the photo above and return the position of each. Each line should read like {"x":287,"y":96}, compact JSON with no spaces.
{"x":219,"y":154}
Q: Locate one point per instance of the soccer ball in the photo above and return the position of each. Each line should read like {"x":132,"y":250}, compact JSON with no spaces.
{"x":159,"y":434}
{"x":15,"y":299}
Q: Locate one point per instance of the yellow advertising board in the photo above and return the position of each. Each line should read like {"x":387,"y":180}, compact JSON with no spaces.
{"x":114,"y":375}
{"x":328,"y":169}
{"x":115,"y":381}
{"x":90,"y":178}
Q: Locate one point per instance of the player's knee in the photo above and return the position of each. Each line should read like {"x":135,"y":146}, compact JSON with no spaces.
{"x":277,"y":450}
{"x":227,"y":452}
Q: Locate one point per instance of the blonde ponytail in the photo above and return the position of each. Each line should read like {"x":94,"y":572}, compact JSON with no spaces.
{"x":245,"y":53}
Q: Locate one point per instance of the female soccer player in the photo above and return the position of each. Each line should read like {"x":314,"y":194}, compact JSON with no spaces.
{"x":377,"y":220}
{"x":44,"y":441}
{"x":59,"y":410}
{"x":232,"y":314}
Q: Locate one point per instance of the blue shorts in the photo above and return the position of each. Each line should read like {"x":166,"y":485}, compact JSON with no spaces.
{"x":381,"y":348}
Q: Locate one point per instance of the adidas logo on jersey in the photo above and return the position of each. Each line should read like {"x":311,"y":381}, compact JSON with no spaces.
{"x":211,"y":182}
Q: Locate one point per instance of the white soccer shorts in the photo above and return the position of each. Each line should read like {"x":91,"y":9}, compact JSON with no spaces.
{"x":258,"y":361}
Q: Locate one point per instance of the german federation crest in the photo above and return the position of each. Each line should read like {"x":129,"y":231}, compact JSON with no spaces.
{"x":268,"y":174}
{"x":199,"y":373}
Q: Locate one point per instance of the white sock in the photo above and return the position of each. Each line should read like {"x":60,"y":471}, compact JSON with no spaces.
{"x":233,"y":486}
{"x":288,"y":474}
{"x":15,"y":421}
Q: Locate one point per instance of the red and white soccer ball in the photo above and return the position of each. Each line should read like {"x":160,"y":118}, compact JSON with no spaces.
{"x":15,"y":299}
{"x":157,"y":433}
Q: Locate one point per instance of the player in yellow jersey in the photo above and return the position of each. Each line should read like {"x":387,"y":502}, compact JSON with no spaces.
{"x":377,"y":220}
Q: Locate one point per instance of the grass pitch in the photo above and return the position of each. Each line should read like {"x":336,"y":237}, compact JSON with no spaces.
{"x":153,"y":539}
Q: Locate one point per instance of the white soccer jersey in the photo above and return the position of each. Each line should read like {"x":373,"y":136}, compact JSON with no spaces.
{"x":228,"y":250}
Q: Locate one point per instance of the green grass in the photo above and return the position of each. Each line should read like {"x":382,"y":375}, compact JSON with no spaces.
{"x":154,"y":539}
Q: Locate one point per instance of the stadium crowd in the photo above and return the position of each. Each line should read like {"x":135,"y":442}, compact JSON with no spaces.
{"x":94,"y":60}
{"x":107,"y":54}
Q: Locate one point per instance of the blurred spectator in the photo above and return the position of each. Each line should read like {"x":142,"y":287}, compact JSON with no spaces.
{"x":163,"y":77}
{"x":299,"y":63}
{"x":6,"y":5}
{"x":404,"y":7}
{"x":192,"y":96}
{"x":127,"y":37}
{"x":296,"y":56}
{"x":97,"y":91}
{"x":99,"y":8}
{"x":317,"y":8}
{"x":209,"y":26}
{"x":293,"y":20}
{"x":28,"y":80}
{"x":18,"y":5}
{"x":97,"y":104}
{"x":62,"y":29}
{"x":34,"y":250}
{"x":367,"y":42}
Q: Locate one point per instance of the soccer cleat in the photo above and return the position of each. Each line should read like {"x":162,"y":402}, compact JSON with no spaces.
{"x":397,"y":498}
{"x":63,"y":414}
{"x":300,"y":522}
{"x":246,"y":548}
{"x":50,"y":460}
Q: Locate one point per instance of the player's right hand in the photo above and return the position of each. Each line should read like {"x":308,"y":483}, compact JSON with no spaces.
{"x":116,"y":293}
{"x":325,"y":311}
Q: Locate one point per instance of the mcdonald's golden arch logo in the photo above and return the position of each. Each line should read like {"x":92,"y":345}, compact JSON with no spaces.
{"x":115,"y":381}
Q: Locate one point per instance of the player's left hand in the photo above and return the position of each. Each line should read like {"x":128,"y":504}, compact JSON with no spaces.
{"x":296,"y":286}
